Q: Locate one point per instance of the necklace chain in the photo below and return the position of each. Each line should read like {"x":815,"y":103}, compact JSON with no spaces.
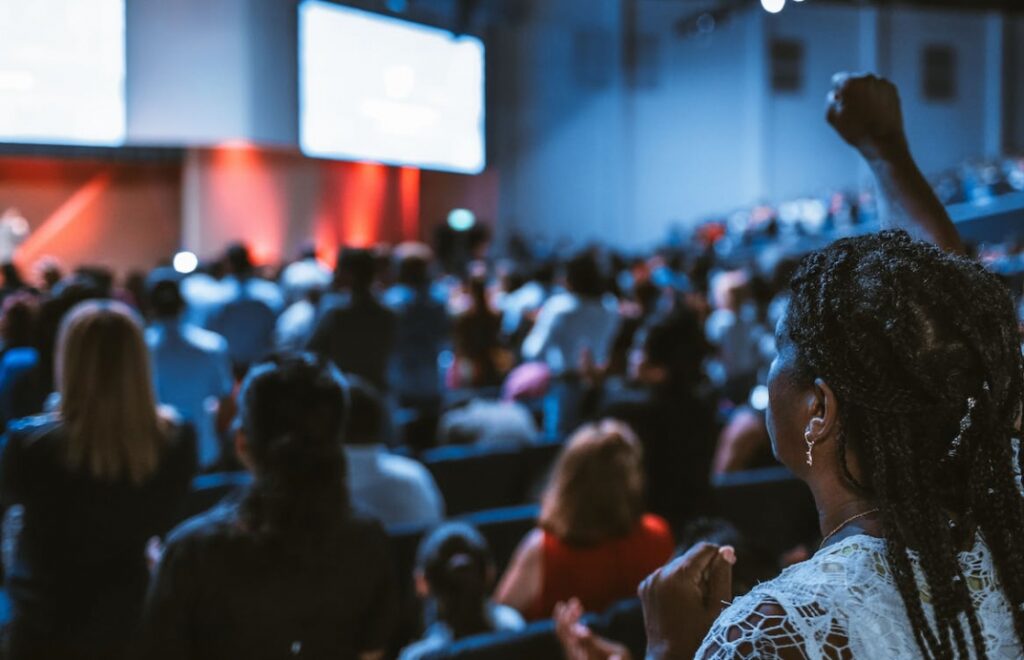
{"x":845,"y":523}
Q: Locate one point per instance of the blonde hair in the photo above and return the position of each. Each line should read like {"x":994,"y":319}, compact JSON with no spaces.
{"x":596,"y":490}
{"x":107,"y":403}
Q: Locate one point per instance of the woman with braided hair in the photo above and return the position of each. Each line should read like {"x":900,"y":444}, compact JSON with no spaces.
{"x":896,"y":396}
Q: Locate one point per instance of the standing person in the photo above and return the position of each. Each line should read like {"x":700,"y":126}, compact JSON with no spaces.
{"x":672,"y":415}
{"x":576,"y":322}
{"x":480,"y":358}
{"x":19,"y":357}
{"x":289,"y":571}
{"x":896,"y":396}
{"x":355,"y":331}
{"x":246,"y":313}
{"x":593,"y":540}
{"x":192,"y":369}
{"x":97,"y":479}
{"x":423,"y":330}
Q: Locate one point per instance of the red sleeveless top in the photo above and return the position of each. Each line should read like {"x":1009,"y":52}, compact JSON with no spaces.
{"x":601,"y":574}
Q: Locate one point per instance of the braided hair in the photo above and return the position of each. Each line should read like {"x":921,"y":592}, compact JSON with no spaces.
{"x":922,"y":350}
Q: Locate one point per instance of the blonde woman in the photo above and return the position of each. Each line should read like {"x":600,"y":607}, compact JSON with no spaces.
{"x":97,"y":478}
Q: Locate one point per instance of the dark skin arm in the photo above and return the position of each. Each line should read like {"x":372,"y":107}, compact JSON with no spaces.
{"x":865,"y":111}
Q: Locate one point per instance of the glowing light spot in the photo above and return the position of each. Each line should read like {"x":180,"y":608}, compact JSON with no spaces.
{"x":759,"y":398}
{"x":185,"y":262}
{"x":461,"y":219}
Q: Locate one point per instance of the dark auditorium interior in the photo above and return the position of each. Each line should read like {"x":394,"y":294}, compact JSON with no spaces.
{"x":511,"y":329}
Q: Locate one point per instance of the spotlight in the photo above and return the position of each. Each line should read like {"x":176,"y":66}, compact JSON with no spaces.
{"x":773,"y":6}
{"x":461,"y":219}
{"x":185,"y":262}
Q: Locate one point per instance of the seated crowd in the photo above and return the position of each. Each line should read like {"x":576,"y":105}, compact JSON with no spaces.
{"x":662,"y":372}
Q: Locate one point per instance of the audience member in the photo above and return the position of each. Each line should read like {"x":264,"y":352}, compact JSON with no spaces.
{"x":594,"y":541}
{"x":422,"y":331}
{"x":247,"y":311}
{"x":572,"y":323}
{"x":191,"y":366}
{"x":488,"y":423}
{"x":519,"y":307}
{"x":743,"y":444}
{"x":455,"y":573}
{"x":733,"y":328}
{"x":355,"y":330}
{"x":295,"y":326}
{"x":96,"y":479}
{"x":19,"y":357}
{"x":480,"y":358}
{"x":393,"y":489}
{"x":304,"y":275}
{"x":668,"y":407}
{"x":288,"y":571}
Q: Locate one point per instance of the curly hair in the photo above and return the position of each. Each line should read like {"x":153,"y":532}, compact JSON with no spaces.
{"x":922,"y":350}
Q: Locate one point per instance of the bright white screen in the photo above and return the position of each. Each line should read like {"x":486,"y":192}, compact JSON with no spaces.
{"x":62,"y":71}
{"x":380,"y":89}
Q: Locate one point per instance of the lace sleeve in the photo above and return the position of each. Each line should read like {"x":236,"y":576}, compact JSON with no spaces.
{"x":754,"y":627}
{"x":843,"y":603}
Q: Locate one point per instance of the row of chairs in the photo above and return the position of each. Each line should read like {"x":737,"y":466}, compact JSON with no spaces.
{"x":470,"y":478}
{"x":767,"y":505}
{"x":622,"y":622}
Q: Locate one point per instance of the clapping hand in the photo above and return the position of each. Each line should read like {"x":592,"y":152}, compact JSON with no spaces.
{"x":578,"y":641}
{"x":683,"y":598}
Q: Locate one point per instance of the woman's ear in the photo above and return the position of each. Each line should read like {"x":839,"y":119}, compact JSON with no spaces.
{"x":824,"y":411}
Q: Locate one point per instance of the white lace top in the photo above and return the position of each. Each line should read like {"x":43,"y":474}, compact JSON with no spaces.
{"x":843,"y":603}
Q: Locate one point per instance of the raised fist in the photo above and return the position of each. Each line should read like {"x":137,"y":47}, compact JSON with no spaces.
{"x":865,"y":111}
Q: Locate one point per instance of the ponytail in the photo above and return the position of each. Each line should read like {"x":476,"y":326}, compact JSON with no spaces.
{"x":458,"y":568}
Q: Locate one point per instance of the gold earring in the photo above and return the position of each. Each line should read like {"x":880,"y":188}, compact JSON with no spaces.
{"x":810,"y":448}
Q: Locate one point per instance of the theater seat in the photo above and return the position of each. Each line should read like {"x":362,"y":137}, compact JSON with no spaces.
{"x":769,"y":506}
{"x":536,"y":642}
{"x":623,"y":623}
{"x":504,"y":529}
{"x":478,"y":478}
{"x":472,"y":478}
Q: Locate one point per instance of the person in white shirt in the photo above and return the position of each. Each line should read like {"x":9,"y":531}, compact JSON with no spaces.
{"x":304,"y":275}
{"x":570,"y":325}
{"x":395,"y":490}
{"x":191,"y":366}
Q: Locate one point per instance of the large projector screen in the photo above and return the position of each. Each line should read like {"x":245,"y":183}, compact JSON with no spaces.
{"x":62,"y":70}
{"x":380,"y":89}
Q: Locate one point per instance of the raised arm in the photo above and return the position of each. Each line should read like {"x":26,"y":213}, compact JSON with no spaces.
{"x":865,"y":111}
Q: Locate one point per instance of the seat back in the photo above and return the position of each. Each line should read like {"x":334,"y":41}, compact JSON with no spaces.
{"x":622,"y":622}
{"x":472,"y":478}
{"x":479,"y":478}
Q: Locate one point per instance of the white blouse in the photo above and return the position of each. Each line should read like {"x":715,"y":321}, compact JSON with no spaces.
{"x":844,"y":603}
